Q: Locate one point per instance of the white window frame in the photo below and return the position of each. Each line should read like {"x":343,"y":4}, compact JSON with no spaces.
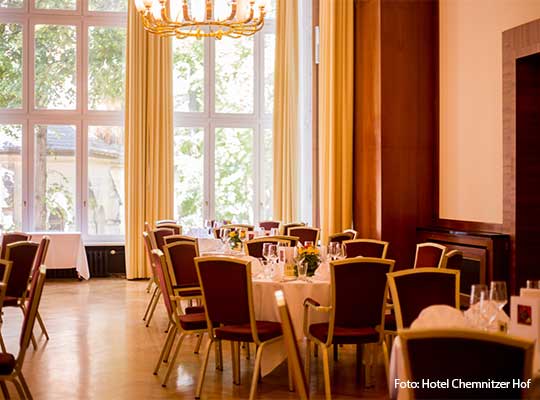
{"x":210,"y":120}
{"x":81,"y":117}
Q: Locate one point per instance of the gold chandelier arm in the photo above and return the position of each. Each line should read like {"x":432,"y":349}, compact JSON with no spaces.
{"x":185,"y":11}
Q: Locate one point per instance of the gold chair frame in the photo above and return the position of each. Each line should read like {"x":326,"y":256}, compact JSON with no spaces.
{"x":331,"y":310}
{"x":235,"y":345}
{"x":394,"y":291}
{"x":172,"y":276}
{"x":156,"y":293}
{"x":170,"y":226}
{"x":448,"y":255}
{"x":266,"y":239}
{"x":381,"y":242}
{"x":3,"y":288}
{"x":293,"y":240}
{"x":430,"y":244}
{"x":317,"y":237}
{"x":285,"y":227}
{"x":179,"y":238}
{"x":355,"y":233}
{"x":500,"y":338}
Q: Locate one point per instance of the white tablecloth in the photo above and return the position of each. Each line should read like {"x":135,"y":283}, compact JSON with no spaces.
{"x":66,"y":250}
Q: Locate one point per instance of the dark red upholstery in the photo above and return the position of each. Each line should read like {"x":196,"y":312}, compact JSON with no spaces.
{"x":470,"y":360}
{"x":162,"y":275}
{"x":192,"y":322}
{"x":22,"y":254}
{"x":390,"y":322}
{"x":420,"y":290}
{"x":255,"y":249}
{"x":182,"y":255}
{"x":287,"y":227}
{"x":12,"y":237}
{"x":41,"y":253}
{"x":344,"y":335}
{"x":455,"y":261}
{"x":267,"y":225}
{"x":364,"y":249}
{"x":428,"y":257}
{"x":341,"y":237}
{"x":177,"y":229}
{"x":194,"y":310}
{"x":178,"y":238}
{"x":7,"y":363}
{"x":10,"y":301}
{"x":304,"y":234}
{"x":266,"y":330}
{"x":188,"y":293}
{"x":159,"y":236}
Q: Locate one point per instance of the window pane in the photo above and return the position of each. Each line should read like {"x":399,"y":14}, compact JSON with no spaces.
{"x":270,"y":9}
{"x":10,"y":177}
{"x":55,"y":67}
{"x":188,"y":175}
{"x":234,"y":174}
{"x":54,"y":177}
{"x":11,"y":3}
{"x":107,"y":5}
{"x":269,"y":57}
{"x":234,"y":75}
{"x":11,"y":53}
{"x":106,"y":62}
{"x":105,"y":180}
{"x":267,"y":176}
{"x":56,"y":4}
{"x":189,"y":75}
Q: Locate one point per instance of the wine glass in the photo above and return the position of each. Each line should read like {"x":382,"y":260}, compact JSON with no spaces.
{"x":272,"y":253}
{"x":477,"y":304}
{"x":333,"y":250}
{"x":531,"y":284}
{"x":266,"y":251}
{"x":342,"y":253}
{"x":208,"y":225}
{"x":274,"y":231}
{"x":224,"y":235}
{"x":497,"y":293}
{"x":308,"y":243}
{"x":302,"y":267}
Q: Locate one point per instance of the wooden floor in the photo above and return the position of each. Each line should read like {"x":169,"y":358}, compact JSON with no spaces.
{"x":100,"y":349}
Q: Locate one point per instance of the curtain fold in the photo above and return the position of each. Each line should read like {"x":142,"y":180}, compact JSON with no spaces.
{"x":336,"y":85}
{"x":286,"y":123}
{"x":149,"y":138}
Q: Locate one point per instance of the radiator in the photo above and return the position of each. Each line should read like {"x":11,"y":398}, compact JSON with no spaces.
{"x":105,"y":260}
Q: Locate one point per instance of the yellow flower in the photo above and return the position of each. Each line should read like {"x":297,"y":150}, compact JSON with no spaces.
{"x":232,"y":234}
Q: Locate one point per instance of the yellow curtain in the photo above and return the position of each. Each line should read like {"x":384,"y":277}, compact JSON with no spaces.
{"x":149,"y":138}
{"x":286,"y":124}
{"x":336,"y":115}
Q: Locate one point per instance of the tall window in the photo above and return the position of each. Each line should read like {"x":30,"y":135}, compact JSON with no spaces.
{"x":223,"y":102}
{"x":61,"y":116}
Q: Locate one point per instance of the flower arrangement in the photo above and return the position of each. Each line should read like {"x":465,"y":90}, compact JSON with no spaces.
{"x":236,"y":237}
{"x":309,"y":254}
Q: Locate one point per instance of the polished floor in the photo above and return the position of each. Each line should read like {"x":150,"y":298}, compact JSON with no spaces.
{"x":100,"y":349}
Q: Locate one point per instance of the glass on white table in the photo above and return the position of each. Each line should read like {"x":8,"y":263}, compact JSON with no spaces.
{"x":479,"y":307}
{"x":533,"y":284}
{"x":302,"y":267}
{"x":274,"y":231}
{"x":498,"y":294}
{"x":334,"y":250}
{"x":208,"y":225}
{"x":266,"y":251}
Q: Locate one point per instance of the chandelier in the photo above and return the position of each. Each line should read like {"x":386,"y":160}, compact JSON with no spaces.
{"x":202,"y":18}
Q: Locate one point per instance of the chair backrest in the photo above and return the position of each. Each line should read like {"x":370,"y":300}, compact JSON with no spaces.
{"x":239,"y":226}
{"x":177,"y":229}
{"x":148,"y":250}
{"x":22,"y":254}
{"x":352,"y":232}
{"x":226,"y":288}
{"x":305,"y":234}
{"x":429,"y":255}
{"x":454,"y":260}
{"x":180,"y":257}
{"x":5,"y":269}
{"x":293,"y":354}
{"x":254,"y":247}
{"x":164,"y":281}
{"x":366,"y":248}
{"x":147,"y":227}
{"x":415,"y":289}
{"x":471,"y":356}
{"x":290,"y":225}
{"x":166,"y":222}
{"x":359,"y":284}
{"x":32,"y":305}
{"x":293,"y":240}
{"x":157,"y":237}
{"x":12,"y":237}
{"x":340,"y":237}
{"x":267,"y":225}
{"x":41,"y":255}
{"x":179,"y":238}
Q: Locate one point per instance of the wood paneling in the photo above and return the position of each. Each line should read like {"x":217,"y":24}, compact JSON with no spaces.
{"x":401,"y":150}
{"x":521,"y":191}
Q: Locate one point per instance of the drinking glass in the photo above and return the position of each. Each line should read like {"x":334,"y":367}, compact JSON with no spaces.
{"x":208,"y":225}
{"x":477,"y":303}
{"x":274,"y":232}
{"x":497,"y":293}
{"x":532,"y":284}
{"x":342,"y":253}
{"x":224,"y":235}
{"x":334,"y":250}
{"x":308,"y":243}
{"x":266,"y":251}
{"x":273,"y":253}
{"x":302,"y":267}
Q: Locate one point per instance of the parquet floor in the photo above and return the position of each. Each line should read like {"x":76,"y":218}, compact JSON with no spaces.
{"x":100,"y":349}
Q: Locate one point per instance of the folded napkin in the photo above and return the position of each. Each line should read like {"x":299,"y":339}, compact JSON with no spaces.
{"x":440,"y":316}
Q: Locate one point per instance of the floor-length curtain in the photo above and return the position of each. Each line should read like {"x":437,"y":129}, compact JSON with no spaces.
{"x":286,"y":124}
{"x":336,"y":115}
{"x":149,"y":138}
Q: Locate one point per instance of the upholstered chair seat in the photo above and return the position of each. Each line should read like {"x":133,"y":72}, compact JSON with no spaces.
{"x":193,"y":322}
{"x":344,"y":335}
{"x":7,"y":363}
{"x":266,"y":330}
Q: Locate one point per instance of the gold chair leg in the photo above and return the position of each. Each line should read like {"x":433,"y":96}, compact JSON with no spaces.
{"x":219,"y":356}
{"x":2,"y":344}
{"x":172,"y":362}
{"x":25,"y":386}
{"x":326,"y":368}
{"x":235,"y":354}
{"x":316,"y":351}
{"x":308,"y":360}
{"x":149,"y":286}
{"x":153,"y":308}
{"x":256,"y":371}
{"x":290,"y":375}
{"x":149,"y":306}
{"x":386,"y":360}
{"x":42,"y":325}
{"x":5,"y":391}
{"x":19,"y":388}
{"x":198,"y":345}
{"x":170,"y":338}
{"x":202,"y":371}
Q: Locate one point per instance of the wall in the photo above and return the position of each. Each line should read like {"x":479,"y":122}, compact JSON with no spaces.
{"x":471,"y":160}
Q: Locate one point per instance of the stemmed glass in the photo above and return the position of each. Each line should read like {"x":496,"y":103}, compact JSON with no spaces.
{"x":208,"y":225}
{"x":334,"y":250}
{"x":224,"y":235}
{"x":478,"y":300}
{"x":497,"y":294}
{"x":266,"y":251}
{"x":273,"y":253}
{"x":302,"y":267}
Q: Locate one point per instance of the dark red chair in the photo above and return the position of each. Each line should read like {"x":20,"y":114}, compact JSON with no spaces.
{"x":267,"y":225}
{"x":365,"y":248}
{"x":340,"y":237}
{"x":470,"y":355}
{"x":179,"y":238}
{"x":429,"y":255}
{"x":180,"y":257}
{"x":38,"y":262}
{"x":157,"y":237}
{"x":305,"y":234}
{"x":356,"y":312}
{"x":254,"y":247}
{"x":177,"y":229}
{"x":230,"y":313}
{"x":415,"y":289}
{"x":12,"y":237}
{"x":181,"y":325}
{"x":11,"y":367}
{"x":290,"y":225}
{"x":156,"y":293}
